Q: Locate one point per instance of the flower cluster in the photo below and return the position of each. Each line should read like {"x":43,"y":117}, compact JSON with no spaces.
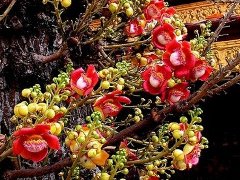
{"x":170,"y":74}
{"x":166,"y":68}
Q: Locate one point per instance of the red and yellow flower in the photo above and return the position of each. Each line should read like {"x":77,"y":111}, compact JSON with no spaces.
{"x":153,"y":10}
{"x":201,"y":71}
{"x":134,"y":28}
{"x":167,"y":12}
{"x":83,"y":83}
{"x":179,"y":57}
{"x":162,"y":35}
{"x":176,"y":93}
{"x":110,"y":104}
{"x":33,"y":143}
{"x":155,"y":79}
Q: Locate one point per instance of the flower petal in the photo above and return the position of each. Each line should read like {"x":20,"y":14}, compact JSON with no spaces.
{"x":53,"y":141}
{"x":42,"y":128}
{"x":100,"y":159}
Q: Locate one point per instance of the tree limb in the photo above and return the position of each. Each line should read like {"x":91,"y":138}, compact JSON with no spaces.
{"x":7,"y":10}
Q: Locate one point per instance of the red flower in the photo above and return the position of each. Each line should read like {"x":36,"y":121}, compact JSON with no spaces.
{"x":153,"y":10}
{"x":162,"y":35}
{"x":178,"y":56}
{"x":134,"y":28}
{"x":83,"y":83}
{"x":155,"y":79}
{"x":110,"y":104}
{"x":201,"y":71}
{"x":151,"y":57}
{"x":177,"y":93}
{"x":167,"y":13}
{"x":192,"y":158}
{"x":33,"y":143}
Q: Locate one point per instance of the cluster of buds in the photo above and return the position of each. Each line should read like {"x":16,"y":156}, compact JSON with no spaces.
{"x":88,"y":139}
{"x":115,"y":164}
{"x":176,"y":22}
{"x":126,"y":7}
{"x":138,"y":115}
{"x":156,"y":169}
{"x":190,"y":134}
{"x":43,"y":107}
{"x":111,"y":78}
{"x":199,"y":43}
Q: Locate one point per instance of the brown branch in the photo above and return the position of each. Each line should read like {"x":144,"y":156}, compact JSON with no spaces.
{"x":24,"y":173}
{"x":50,"y":58}
{"x":219,"y":29}
{"x":7,"y":10}
{"x":5,"y":154}
{"x":105,"y":56}
{"x":127,"y":44}
{"x":225,"y":85}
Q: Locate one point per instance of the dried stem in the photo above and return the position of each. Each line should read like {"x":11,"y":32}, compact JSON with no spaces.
{"x":7,"y":10}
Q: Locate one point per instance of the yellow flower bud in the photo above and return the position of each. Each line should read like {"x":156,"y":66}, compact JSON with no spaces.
{"x":181,"y":165}
{"x":63,"y":109}
{"x":92,"y":153}
{"x":177,"y":134}
{"x":72,"y":135}
{"x":119,"y":87}
{"x":32,"y":107}
{"x":143,"y":61}
{"x":56,"y":129}
{"x":113,"y":7}
{"x":104,"y":176}
{"x":178,"y":154}
{"x":171,"y":83}
{"x":49,"y":113}
{"x":66,"y":3}
{"x":42,"y":107}
{"x":187,"y":148}
{"x":105,"y":84}
{"x":26,"y":92}
{"x":129,"y":12}
{"x":74,"y":147}
{"x":121,"y":81}
{"x":21,"y":110}
{"x":174,"y":126}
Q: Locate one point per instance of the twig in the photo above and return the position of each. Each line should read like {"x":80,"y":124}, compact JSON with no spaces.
{"x":219,"y":29}
{"x":127,"y":44}
{"x":225,"y":85}
{"x":24,"y":173}
{"x":5,"y":154}
{"x":105,"y":56}
{"x":7,"y":10}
